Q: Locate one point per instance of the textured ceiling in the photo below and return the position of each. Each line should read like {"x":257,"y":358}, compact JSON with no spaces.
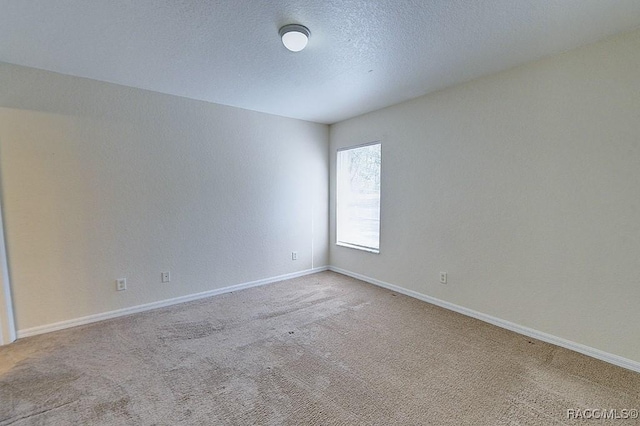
{"x":363,"y":55}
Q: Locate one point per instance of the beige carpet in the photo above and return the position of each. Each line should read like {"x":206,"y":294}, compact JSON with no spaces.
{"x":321,"y":350}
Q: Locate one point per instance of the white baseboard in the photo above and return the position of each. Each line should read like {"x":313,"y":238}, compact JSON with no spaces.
{"x":160,"y":304}
{"x":545,"y":337}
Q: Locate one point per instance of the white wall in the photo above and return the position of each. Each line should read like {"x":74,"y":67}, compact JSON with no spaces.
{"x":525,"y":187}
{"x":101,"y":181}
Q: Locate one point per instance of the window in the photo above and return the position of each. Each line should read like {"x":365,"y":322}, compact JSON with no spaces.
{"x":358,"y":197}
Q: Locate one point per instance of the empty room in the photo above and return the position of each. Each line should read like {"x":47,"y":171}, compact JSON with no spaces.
{"x":374,"y":212}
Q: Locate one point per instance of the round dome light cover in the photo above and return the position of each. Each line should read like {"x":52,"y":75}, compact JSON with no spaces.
{"x":294,"y":37}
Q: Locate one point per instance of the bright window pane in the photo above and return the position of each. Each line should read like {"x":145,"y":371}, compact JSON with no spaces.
{"x":358,"y":197}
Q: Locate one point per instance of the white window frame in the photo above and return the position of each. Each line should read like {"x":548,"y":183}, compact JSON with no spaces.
{"x":343,"y":243}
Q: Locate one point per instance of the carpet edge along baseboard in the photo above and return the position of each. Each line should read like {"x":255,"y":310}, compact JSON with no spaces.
{"x":74,"y":322}
{"x":517,"y":328}
{"x":520,"y":329}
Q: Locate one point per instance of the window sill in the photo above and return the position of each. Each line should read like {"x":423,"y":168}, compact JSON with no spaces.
{"x":357,"y":247}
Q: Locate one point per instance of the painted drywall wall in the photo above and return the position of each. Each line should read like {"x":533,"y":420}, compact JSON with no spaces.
{"x":101,"y":181}
{"x":525,"y":187}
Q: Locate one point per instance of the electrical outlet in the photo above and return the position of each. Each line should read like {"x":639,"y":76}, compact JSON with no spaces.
{"x":294,"y":255}
{"x":121,"y":284}
{"x":165,"y":277}
{"x":443,"y":277}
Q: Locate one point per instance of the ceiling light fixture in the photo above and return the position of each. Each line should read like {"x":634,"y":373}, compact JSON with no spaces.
{"x":294,"y":36}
